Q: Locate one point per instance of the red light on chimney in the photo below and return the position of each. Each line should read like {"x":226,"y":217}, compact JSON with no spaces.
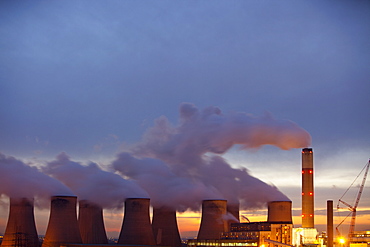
{"x":311,"y":215}
{"x":302,"y":193}
{"x":311,"y":193}
{"x":310,"y":171}
{"x":302,"y":215}
{"x":302,"y":172}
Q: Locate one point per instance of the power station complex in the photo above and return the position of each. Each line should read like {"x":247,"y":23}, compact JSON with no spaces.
{"x":66,"y":229}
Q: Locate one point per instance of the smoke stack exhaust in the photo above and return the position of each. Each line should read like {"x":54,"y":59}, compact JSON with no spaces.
{"x":91,"y":223}
{"x":307,"y":189}
{"x":213,"y":222}
{"x":136,"y":227}
{"x":165,"y":227}
{"x":280,"y":211}
{"x":63,"y":225}
{"x":21,"y":228}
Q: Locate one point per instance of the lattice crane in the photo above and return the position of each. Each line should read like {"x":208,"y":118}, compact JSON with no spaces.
{"x":353,"y":208}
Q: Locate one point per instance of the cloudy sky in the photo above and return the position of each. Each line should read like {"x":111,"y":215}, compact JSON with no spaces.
{"x":90,"y":77}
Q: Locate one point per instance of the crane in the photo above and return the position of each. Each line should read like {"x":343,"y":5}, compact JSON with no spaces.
{"x":353,"y":209}
{"x":244,"y":217}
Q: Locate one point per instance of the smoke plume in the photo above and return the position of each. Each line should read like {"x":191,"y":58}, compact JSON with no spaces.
{"x":90,"y":183}
{"x":164,"y":187}
{"x":19,"y":180}
{"x":174,"y":157}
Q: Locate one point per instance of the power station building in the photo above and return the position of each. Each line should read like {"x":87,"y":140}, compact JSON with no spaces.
{"x":277,"y":230}
{"x":216,"y":229}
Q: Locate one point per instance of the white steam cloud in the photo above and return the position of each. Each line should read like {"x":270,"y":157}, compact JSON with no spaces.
{"x":90,"y":183}
{"x":171,"y":158}
{"x":176,"y":166}
{"x":19,"y":180}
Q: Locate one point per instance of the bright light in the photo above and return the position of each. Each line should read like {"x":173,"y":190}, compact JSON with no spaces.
{"x":341,"y":240}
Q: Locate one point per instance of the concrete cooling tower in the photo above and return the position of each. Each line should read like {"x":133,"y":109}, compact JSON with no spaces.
{"x":165,"y":229}
{"x":280,"y":211}
{"x":91,"y":223}
{"x":136,"y":227}
{"x":233,"y":209}
{"x":21,"y":229}
{"x":213,"y":222}
{"x":63,"y":225}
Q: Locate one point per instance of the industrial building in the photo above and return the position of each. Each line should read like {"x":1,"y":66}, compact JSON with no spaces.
{"x":277,"y":230}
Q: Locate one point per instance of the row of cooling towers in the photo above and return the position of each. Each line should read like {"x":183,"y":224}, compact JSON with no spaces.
{"x":137,"y":229}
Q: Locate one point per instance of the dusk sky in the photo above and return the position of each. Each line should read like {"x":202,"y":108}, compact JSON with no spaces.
{"x":89,"y":78}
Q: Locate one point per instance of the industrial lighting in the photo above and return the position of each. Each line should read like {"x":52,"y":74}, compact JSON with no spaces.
{"x":342,"y":240}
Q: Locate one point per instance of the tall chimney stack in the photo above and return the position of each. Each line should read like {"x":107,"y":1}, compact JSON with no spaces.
{"x":91,"y":223}
{"x":213,"y":221}
{"x":165,"y":229}
{"x":21,"y":228}
{"x":280,"y":211}
{"x":136,"y":227}
{"x":329,"y":223}
{"x":307,"y":189}
{"x":63,"y":225}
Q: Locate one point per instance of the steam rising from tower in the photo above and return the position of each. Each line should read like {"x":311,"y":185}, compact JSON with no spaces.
{"x":89,"y":182}
{"x":188,"y":156}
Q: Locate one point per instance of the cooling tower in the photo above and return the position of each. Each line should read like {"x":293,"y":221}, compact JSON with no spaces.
{"x":136,"y":227}
{"x":165,"y":230}
{"x":63,"y":225}
{"x":213,"y":219}
{"x":91,"y":223}
{"x":280,"y":211}
{"x":307,"y":189}
{"x":233,"y":209}
{"x":21,"y":229}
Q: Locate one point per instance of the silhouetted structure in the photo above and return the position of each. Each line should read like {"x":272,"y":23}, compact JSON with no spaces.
{"x":233,"y":208}
{"x":91,"y":223}
{"x":63,"y":225}
{"x":213,"y":222}
{"x":165,"y":229}
{"x":21,"y":228}
{"x":307,"y":189}
{"x":280,"y":211}
{"x":136,"y":227}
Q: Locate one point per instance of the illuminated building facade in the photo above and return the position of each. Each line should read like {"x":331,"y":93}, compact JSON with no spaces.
{"x":251,"y":234}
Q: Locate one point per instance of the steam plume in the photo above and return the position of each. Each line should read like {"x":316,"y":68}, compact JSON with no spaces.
{"x":19,"y":180}
{"x":211,"y":131}
{"x":188,"y":154}
{"x":90,"y":183}
{"x":164,"y":187}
